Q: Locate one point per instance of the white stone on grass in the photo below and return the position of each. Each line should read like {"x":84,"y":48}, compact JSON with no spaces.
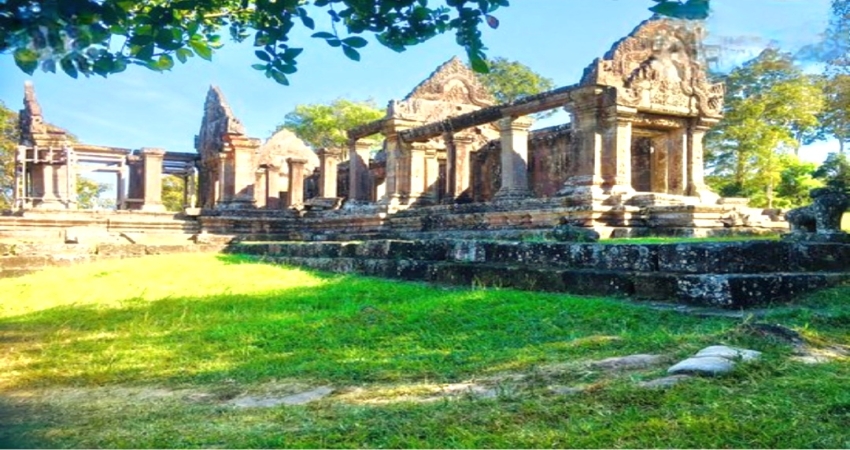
{"x":630,"y":362}
{"x":706,"y":365}
{"x":731,"y":353}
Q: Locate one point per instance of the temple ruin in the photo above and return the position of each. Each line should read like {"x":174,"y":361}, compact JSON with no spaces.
{"x":444,"y":158}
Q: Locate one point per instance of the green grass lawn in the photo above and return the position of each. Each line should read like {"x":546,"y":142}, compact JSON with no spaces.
{"x":152,"y":352}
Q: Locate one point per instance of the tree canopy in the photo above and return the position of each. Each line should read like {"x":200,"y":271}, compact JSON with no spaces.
{"x":103,"y":37}
{"x":511,"y":80}
{"x":771,"y":107}
{"x":8,"y":146}
{"x":323,"y":125}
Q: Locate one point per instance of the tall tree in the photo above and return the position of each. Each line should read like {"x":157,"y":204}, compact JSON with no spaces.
{"x":511,"y":80}
{"x":8,"y":147}
{"x":103,"y":36}
{"x":89,"y":192}
{"x":323,"y":125}
{"x":771,"y":107}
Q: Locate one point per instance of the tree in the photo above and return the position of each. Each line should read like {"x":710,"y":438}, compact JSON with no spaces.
{"x":8,"y":147}
{"x":104,"y":36}
{"x":323,"y":125}
{"x":88,"y":192}
{"x":172,"y":192}
{"x":771,"y":107}
{"x":511,"y":80}
{"x":835,"y":171}
{"x":796,"y":181}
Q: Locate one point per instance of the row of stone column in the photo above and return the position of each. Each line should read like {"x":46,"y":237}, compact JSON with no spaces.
{"x":412,"y":170}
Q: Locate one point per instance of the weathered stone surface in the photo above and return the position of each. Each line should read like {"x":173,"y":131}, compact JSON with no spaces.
{"x":706,"y":366}
{"x":570,"y":233}
{"x":823,"y":216}
{"x":730,"y":353}
{"x":631,"y":362}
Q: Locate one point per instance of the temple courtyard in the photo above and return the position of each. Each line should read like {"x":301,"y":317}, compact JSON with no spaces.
{"x":212,"y":350}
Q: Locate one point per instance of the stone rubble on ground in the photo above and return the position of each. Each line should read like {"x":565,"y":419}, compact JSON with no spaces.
{"x":713,"y":361}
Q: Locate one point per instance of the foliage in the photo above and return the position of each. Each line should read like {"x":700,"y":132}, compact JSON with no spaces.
{"x":103,"y":37}
{"x":796,"y":181}
{"x":324,"y":125}
{"x":835,"y":171}
{"x":511,"y":80}
{"x":172,"y":192}
{"x":125,"y":353}
{"x":88,"y":193}
{"x":771,"y":107}
{"x":8,"y":147}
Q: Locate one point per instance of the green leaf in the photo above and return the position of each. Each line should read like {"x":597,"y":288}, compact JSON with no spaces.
{"x":334,"y":42}
{"x":26,"y":60}
{"x":263,"y":55}
{"x":201,"y":49}
{"x":165,"y":62}
{"x":305,"y":19}
{"x":355,"y":42}
{"x":183,"y":54}
{"x":280,"y":77}
{"x":290,"y":54}
{"x":351,"y":53}
{"x":259,"y":66}
{"x":103,"y":66}
{"x":145,"y":53}
{"x":68,"y":66}
{"x":323,"y":35}
{"x":479,"y":64}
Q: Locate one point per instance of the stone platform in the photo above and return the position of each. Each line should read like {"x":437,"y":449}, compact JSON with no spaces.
{"x":730,"y":275}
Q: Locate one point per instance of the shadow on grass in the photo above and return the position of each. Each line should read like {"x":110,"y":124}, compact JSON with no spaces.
{"x":347,"y":329}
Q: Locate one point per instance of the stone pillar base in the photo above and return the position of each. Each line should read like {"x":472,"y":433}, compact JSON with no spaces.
{"x":153,"y":208}
{"x":511,"y":194}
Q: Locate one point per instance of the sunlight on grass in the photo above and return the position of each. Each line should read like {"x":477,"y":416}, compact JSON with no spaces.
{"x":149,"y":352}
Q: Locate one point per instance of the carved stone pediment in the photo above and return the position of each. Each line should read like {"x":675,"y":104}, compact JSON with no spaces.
{"x":218,"y":122}
{"x":656,"y":68}
{"x":452,"y":82}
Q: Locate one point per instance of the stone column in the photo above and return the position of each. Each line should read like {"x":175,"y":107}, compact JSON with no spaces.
{"x":432,"y":177}
{"x":616,"y":164}
{"x":514,"y":157}
{"x":244,"y":172}
{"x":152,"y":158}
{"x":328,"y":160}
{"x":416,"y":177}
{"x":586,"y":184}
{"x":398,"y":162}
{"x":458,"y":166}
{"x":359,"y":178}
{"x":677,"y":160}
{"x":295,"y":196}
{"x":696,"y":166}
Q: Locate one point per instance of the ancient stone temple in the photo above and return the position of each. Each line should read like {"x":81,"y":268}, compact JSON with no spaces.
{"x":48,"y":164}
{"x":427,"y":172}
{"x":240,"y":172}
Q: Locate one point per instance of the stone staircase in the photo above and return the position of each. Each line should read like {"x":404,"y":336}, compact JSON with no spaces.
{"x":730,"y":275}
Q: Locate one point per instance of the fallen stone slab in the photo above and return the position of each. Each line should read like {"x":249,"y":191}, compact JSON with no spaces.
{"x":664,"y":383}
{"x":706,"y":366}
{"x":631,"y":362}
{"x":731,"y":353}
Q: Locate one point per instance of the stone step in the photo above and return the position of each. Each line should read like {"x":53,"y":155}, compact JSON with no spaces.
{"x":710,"y":289}
{"x":746,"y":257}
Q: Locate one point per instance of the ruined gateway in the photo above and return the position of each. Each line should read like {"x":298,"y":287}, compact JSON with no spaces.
{"x":445,"y":170}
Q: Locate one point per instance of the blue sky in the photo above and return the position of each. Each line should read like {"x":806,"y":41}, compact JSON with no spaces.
{"x":557,"y":38}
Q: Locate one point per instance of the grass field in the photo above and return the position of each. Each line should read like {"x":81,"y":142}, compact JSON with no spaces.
{"x":158,"y":352}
